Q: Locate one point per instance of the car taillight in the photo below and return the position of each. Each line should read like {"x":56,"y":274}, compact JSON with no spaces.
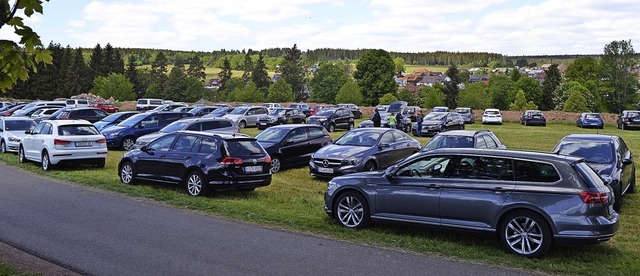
{"x":103,"y":140}
{"x":61,"y":142}
{"x":231,"y":161}
{"x":267,"y":159}
{"x":594,"y":197}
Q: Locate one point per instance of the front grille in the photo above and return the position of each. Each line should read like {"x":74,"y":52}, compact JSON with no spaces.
{"x":327,"y":163}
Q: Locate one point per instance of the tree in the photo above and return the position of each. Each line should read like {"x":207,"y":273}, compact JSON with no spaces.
{"x":79,"y":82}
{"x":616,"y":64}
{"x":260,"y":77}
{"x":575,"y":103}
{"x":18,"y":58}
{"x":112,"y":60}
{"x":515,"y":75}
{"x":409,"y":97}
{"x":474,"y":96}
{"x":552,"y":79}
{"x":399,"y":65}
{"x":387,"y":98}
{"x":175,"y":86}
{"x":196,"y":68}
{"x":132,"y":74}
{"x":349,"y":93}
{"x":293,"y":72}
{"x":583,"y":69}
{"x":280,"y":92}
{"x":158,"y":74}
{"x":502,"y":91}
{"x":328,"y":79}
{"x":225,"y":74}
{"x":451,"y":88}
{"x":194,"y":90}
{"x":114,"y":85}
{"x":375,"y":71}
{"x":521,"y":104}
{"x":564,"y":90}
{"x":531,"y":88}
{"x":248,"y":94}
{"x":433,"y":96}
{"x":248,"y":66}
{"x":96,"y":62}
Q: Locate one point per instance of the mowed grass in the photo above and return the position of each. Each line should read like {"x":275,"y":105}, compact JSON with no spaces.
{"x":294,"y":202}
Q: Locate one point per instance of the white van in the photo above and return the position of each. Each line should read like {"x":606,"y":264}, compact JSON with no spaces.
{"x":78,"y":103}
{"x":148,"y":104}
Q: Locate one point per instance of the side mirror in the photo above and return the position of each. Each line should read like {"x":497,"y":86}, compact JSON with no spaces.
{"x":384,"y":145}
{"x":289,"y":142}
{"x":141,"y":126}
{"x":390,"y":171}
{"x":28,"y":131}
{"x":627,"y":161}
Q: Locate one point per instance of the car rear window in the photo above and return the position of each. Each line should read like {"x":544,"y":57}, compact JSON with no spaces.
{"x":238,"y":147}
{"x":463,"y":110}
{"x":69,"y":130}
{"x":18,"y":125}
{"x":592,"y":151}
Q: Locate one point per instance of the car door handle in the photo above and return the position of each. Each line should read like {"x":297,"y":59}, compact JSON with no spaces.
{"x":187,"y":157}
{"x":498,"y":189}
{"x":161,"y":156}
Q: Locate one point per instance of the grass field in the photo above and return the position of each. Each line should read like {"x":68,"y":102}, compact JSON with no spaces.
{"x":294,"y":202}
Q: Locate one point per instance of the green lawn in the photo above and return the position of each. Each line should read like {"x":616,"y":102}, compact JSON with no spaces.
{"x":294,"y":202}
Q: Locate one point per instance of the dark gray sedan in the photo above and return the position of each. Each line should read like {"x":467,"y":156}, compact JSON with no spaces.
{"x":362,"y":149}
{"x":528,"y":200}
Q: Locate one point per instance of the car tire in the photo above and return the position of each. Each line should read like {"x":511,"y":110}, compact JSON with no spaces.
{"x":370,"y":166}
{"x":21,"y":156}
{"x":632,"y":185}
{"x":128,"y":144}
{"x":45,"y":161}
{"x":127,"y":175}
{"x":242,"y":124}
{"x":276,"y":164}
{"x":116,"y":111}
{"x":100,"y":164}
{"x":3,"y":146}
{"x":525,"y":123}
{"x":352,"y":210}
{"x":617,"y":193}
{"x":622,"y":126}
{"x":525,"y":233}
{"x":332,"y":128}
{"x":195,"y":184}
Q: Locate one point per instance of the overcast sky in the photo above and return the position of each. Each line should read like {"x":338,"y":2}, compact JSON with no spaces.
{"x":528,"y":27}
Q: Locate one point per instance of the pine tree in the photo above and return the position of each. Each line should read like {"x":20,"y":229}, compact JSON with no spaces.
{"x":551,"y":80}
{"x":452,"y":89}
{"x":175,"y":87}
{"x":158,"y":72}
{"x":196,"y":68}
{"x":80,"y":82}
{"x":260,"y":77}
{"x":96,"y":62}
{"x":248,"y":66}
{"x":226,"y":73}
{"x":293,"y":72}
{"x":132,"y":74}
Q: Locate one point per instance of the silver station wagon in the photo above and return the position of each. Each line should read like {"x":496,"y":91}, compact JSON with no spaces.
{"x":530,"y":200}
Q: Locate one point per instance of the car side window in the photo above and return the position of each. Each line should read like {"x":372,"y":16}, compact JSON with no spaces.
{"x":298,"y":134}
{"x":150,"y":121}
{"x":208,"y":146}
{"x":480,"y":167}
{"x":387,"y":138}
{"x":427,"y":167}
{"x":38,"y":129}
{"x":162,"y":144}
{"x":194,"y":127}
{"x":185,"y":143}
{"x":315,"y":132}
{"x":490,"y":142}
{"x":46,"y":129}
{"x":170,"y":117}
{"x":535,"y":171}
{"x":481,"y":143}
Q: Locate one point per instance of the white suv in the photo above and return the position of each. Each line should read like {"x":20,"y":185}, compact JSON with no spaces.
{"x":492,"y":116}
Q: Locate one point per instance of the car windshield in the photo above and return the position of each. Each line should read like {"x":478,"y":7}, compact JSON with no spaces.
{"x":535,"y":112}
{"x":592,"y":151}
{"x":243,"y":148}
{"x":435,"y":116}
{"x":363,"y":139}
{"x":448,"y":141}
{"x":18,"y":125}
{"x":325,"y":113}
{"x":272,"y":135}
{"x":295,"y":106}
{"x":239,"y":111}
{"x":112,"y":117}
{"x":69,"y":130}
{"x":592,"y":116}
{"x":279,"y":111}
{"x":633,"y":114}
{"x":463,"y":110}
{"x":492,"y":112}
{"x":175,"y":126}
{"x":133,"y":120}
{"x":218,"y":112}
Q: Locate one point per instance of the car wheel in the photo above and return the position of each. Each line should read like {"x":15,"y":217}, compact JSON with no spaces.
{"x":242,"y":124}
{"x":126,"y":173}
{"x":526,"y":234}
{"x":100,"y":164}
{"x":352,"y":211}
{"x":46,"y":162}
{"x":370,"y":166}
{"x":116,"y":111}
{"x":3,"y":146}
{"x":617,"y":193}
{"x":195,"y":184}
{"x":525,"y":123}
{"x":632,"y":185}
{"x":332,"y":128}
{"x":21,"y":157}
{"x":275,"y":164}
{"x":622,"y":126}
{"x":128,"y":144}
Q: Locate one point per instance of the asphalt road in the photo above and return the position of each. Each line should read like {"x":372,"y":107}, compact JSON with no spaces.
{"x":99,"y":233}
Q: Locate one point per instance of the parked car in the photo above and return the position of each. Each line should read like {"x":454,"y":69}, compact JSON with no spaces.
{"x":11,"y":132}
{"x":628,"y":119}
{"x":271,"y":106}
{"x":411,"y":112}
{"x":44,"y":112}
{"x":491,"y":116}
{"x":382,"y":107}
{"x":203,"y":161}
{"x":608,"y":155}
{"x":590,"y":120}
{"x":482,"y":139}
{"x":529,"y":201}
{"x":440,"y":109}
{"x":246,"y":116}
{"x":291,"y":145}
{"x":467,"y":114}
{"x":113,"y":119}
{"x":200,"y":111}
{"x":436,"y":122}
{"x":107,"y":107}
{"x":362,"y":149}
{"x":218,"y":125}
{"x":78,"y":103}
{"x":219,"y":112}
{"x":90,"y":114}
{"x":168,"y":107}
{"x":280,"y":116}
{"x":302,"y":107}
{"x":8,"y":112}
{"x":317,"y":108}
{"x":384,"y":122}
{"x":148,"y":104}
{"x":533,"y":117}
{"x":28,"y":111}
{"x":332,"y":118}
{"x":396,"y":106}
{"x":125,"y":134}
{"x":63,"y":141}
{"x":357,"y":114}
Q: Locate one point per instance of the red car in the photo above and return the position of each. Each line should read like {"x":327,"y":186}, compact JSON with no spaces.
{"x":106,"y":107}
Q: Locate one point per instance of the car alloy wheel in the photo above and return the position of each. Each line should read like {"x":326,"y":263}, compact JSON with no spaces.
{"x":352,"y":210}
{"x":370,"y":166}
{"x":128,"y":144}
{"x":46,"y":163}
{"x":3,"y":146}
{"x":195,"y":185}
{"x":242,"y":124}
{"x":275,"y":164}
{"x":21,"y":157}
{"x":526,"y":234}
{"x":126,"y":173}
{"x":332,"y":128}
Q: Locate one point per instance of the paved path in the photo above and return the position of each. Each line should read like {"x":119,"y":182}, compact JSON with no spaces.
{"x":99,"y":233}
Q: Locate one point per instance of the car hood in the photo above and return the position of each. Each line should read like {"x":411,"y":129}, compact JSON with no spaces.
{"x":233,"y":116}
{"x":432,"y":122}
{"x":149,"y":137}
{"x":16,"y":133}
{"x":102,"y":124}
{"x":366,"y":123}
{"x":267,"y":117}
{"x":340,"y":152}
{"x":112,"y":129}
{"x":317,"y":117}
{"x":602,"y":169}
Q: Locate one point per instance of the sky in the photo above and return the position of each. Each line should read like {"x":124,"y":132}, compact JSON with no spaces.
{"x":527,"y":27}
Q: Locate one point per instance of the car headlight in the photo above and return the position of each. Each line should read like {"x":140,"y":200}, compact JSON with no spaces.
{"x":332,"y":186}
{"x":114,"y":134}
{"x":351,"y":161}
{"x":272,"y":120}
{"x":322,"y":120}
{"x":14,"y":139}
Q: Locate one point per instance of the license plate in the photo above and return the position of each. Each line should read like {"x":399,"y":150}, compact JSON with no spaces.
{"x":537,"y":117}
{"x":84,"y":144}
{"x":636,"y":120}
{"x":263,"y":124}
{"x":253,"y":169}
{"x":325,"y":170}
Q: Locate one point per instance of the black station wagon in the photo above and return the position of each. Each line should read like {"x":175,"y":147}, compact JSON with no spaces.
{"x":528,"y":200}
{"x":201,"y":161}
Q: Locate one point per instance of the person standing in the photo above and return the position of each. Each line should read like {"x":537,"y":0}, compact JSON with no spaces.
{"x":376,"y":118}
{"x":392,"y":121}
{"x":419,"y":123}
{"x":399,"y":121}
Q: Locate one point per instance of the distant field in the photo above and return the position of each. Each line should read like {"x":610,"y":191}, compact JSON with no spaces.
{"x":412,"y":68}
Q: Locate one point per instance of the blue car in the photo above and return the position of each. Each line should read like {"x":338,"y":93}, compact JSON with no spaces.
{"x":125,"y":134}
{"x":590,"y":120}
{"x":113,"y":119}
